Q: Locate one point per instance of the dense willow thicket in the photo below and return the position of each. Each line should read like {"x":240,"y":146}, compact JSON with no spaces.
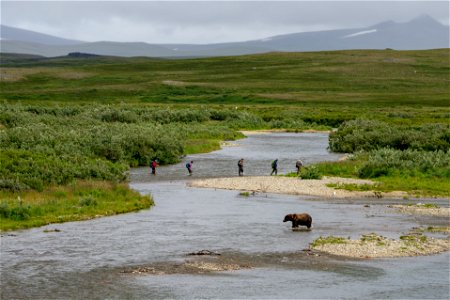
{"x":357,"y":135}
{"x":42,"y":145}
{"x":415,"y":158}
{"x":390,"y":162}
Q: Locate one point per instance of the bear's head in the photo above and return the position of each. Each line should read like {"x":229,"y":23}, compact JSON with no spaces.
{"x":287,"y":218}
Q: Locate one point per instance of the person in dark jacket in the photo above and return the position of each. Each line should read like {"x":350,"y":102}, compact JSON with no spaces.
{"x":299,"y":165}
{"x":241,"y":167}
{"x":274,"y":167}
{"x":189,"y":167}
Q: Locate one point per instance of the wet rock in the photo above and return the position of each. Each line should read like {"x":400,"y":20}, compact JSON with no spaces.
{"x":378,"y":194}
{"x":311,"y":252}
{"x":204,"y":252}
{"x":215,"y":267}
{"x":301,"y":229}
{"x":52,"y":230}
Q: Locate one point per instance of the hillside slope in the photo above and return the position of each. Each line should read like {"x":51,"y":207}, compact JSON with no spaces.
{"x":366,"y":76}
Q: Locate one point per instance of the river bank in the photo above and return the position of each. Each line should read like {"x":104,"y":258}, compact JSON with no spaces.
{"x":293,"y":186}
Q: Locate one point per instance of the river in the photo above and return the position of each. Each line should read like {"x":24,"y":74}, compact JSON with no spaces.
{"x":89,"y":259}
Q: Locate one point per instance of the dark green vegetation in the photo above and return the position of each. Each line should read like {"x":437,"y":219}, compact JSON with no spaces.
{"x":410,"y":158}
{"x":423,"y":173}
{"x":68,"y":119}
{"x":366,"y":135}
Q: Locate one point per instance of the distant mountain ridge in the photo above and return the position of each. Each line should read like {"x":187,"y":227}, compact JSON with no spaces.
{"x":17,"y":34}
{"x":420,"y":33}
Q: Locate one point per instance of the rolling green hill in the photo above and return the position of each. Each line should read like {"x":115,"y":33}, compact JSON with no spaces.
{"x":372,"y":77}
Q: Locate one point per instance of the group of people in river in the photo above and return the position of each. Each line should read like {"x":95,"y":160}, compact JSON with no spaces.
{"x":154,"y":164}
{"x":298,"y":165}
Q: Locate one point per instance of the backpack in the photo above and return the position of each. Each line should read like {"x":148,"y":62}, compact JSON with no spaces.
{"x":188,"y":165}
{"x":154,"y":164}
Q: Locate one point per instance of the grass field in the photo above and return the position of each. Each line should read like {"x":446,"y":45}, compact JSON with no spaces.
{"x":369,"y":77}
{"x":66,"y":119}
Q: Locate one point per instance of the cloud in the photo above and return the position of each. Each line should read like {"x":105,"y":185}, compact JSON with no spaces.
{"x":205,"y":22}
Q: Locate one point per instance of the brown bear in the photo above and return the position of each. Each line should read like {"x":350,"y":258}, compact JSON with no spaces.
{"x":299,"y":219}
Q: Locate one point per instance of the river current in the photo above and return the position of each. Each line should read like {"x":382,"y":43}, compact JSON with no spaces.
{"x":86,"y":260}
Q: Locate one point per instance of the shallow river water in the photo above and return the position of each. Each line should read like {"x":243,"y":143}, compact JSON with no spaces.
{"x":87,"y":260}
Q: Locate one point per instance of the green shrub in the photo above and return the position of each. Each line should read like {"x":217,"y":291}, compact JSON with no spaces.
{"x":12,"y":184}
{"x":88,"y":201}
{"x":17,"y":213}
{"x":22,"y":169}
{"x":366,"y":135}
{"x":384,"y":162}
{"x":244,"y":194}
{"x":4,"y":210}
{"x":43,"y":145}
{"x":311,"y":172}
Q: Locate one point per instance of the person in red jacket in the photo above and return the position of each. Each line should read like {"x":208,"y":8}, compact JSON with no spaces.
{"x":153,"y":166}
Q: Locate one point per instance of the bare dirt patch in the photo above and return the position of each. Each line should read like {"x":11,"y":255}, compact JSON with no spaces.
{"x":17,"y":74}
{"x":14,"y":74}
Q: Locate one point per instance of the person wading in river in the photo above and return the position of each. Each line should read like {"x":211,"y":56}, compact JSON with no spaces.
{"x":189,"y":167}
{"x":299,"y":165}
{"x":241,"y":167}
{"x":153,"y":166}
{"x":274,"y":167}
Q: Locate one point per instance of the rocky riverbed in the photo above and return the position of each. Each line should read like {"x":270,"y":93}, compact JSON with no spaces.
{"x":376,"y":246}
{"x":292,"y":186}
{"x":370,"y":245}
{"x":422,"y":209}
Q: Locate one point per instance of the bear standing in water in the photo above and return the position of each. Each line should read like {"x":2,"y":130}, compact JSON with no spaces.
{"x":299,"y":219}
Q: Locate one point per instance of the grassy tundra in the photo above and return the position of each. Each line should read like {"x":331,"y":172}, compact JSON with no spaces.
{"x":67,"y":123}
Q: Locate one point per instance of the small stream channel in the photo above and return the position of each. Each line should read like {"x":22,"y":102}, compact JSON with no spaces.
{"x":88,"y":259}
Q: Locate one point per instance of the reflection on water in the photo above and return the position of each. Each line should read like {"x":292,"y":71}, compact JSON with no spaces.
{"x":86,"y":259}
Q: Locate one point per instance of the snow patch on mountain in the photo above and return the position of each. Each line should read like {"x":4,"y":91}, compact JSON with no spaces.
{"x":360,"y":33}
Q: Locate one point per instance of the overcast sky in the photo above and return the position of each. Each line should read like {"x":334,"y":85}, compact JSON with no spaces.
{"x":206,"y":21}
